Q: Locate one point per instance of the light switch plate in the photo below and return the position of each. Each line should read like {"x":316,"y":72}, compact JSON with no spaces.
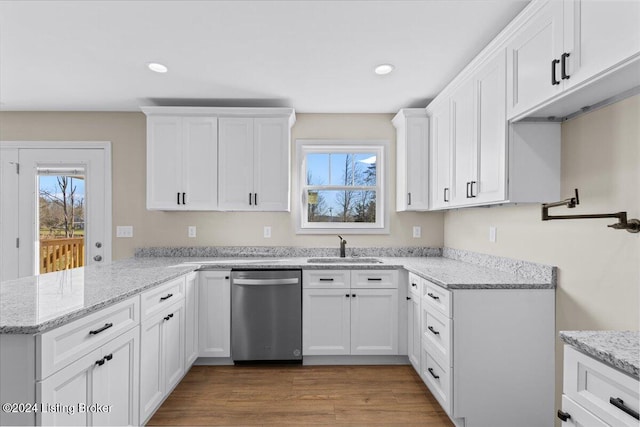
{"x":417,"y":231}
{"x":192,"y":231}
{"x":493,"y":234}
{"x":267,"y":232}
{"x":124,"y":231}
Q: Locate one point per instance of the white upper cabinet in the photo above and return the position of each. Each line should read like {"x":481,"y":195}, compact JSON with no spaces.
{"x":181,"y":162}
{"x":440,"y":155}
{"x":533,"y":56}
{"x":462,"y":142}
{"x":568,"y":44}
{"x":254,"y":168}
{"x":207,"y":159}
{"x":412,"y":155}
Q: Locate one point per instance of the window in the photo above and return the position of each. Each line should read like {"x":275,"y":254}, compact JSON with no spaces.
{"x":341,"y":185}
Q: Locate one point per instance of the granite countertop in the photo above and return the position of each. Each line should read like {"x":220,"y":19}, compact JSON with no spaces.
{"x":39,"y":303}
{"x":620,"y":349}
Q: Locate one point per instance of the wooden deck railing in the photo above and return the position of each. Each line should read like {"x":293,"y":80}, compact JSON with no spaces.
{"x":61,"y":254}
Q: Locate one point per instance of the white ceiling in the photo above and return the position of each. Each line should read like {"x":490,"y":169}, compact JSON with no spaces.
{"x":314,"y":56}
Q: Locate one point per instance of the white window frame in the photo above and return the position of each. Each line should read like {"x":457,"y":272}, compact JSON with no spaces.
{"x":306,"y":146}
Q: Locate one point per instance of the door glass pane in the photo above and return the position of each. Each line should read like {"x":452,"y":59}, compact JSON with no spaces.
{"x":341,"y":206}
{"x":61,"y":218}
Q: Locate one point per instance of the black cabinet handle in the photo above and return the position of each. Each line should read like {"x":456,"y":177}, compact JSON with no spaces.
{"x":184,"y":202}
{"x":255,"y":199}
{"x":432,"y":374}
{"x":168,"y":316}
{"x":346,"y":295}
{"x":433,"y":331}
{"x":249,"y":199}
{"x":226,"y":277}
{"x":445,"y":195}
{"x":553,"y":72}
{"x":104,"y":328}
{"x":100,"y":362}
{"x":564,"y":416}
{"x":408,"y":199}
{"x":166,"y":297}
{"x":374,"y":279}
{"x":353,"y":295}
{"x":433,"y":296}
{"x":563,"y":66}
{"x":109,"y":356}
{"x":408,"y":298}
{"x":178,"y":198}
{"x":619,"y":403}
{"x":324,"y":279}
{"x":414,"y":285}
{"x":471,"y":188}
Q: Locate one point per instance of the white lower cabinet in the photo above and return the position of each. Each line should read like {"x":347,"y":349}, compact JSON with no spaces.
{"x":414,"y":331}
{"x":101,"y":388}
{"x":343,"y":319}
{"x":214,"y":334}
{"x":595,"y":394}
{"x":191,"y":320}
{"x":161,"y":357}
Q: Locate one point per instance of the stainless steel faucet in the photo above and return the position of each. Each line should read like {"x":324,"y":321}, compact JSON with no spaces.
{"x":343,"y":244}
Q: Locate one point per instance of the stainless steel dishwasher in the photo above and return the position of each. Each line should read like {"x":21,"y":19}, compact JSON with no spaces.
{"x":266,"y":315}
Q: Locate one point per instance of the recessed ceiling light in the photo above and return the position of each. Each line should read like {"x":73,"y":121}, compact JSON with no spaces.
{"x":383,"y":69}
{"x":158,"y":68}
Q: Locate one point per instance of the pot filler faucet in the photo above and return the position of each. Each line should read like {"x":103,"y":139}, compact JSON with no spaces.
{"x":343,"y":244}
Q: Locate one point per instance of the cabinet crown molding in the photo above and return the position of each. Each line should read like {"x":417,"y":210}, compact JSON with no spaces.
{"x":222,"y":112}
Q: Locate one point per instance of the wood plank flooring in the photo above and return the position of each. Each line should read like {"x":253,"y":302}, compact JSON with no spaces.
{"x":301,"y":395}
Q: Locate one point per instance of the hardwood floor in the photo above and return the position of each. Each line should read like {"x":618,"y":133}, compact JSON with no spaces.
{"x":301,"y":395}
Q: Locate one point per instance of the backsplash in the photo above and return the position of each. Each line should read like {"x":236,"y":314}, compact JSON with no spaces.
{"x":282,"y":251}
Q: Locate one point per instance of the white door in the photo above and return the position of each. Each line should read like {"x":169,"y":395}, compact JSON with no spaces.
{"x":200,"y":163}
{"x":94,"y":164}
{"x":417,"y":163}
{"x":164,"y":163}
{"x":440,"y":159}
{"x":271,"y":160}
{"x":191,"y":320}
{"x":374,"y":321}
{"x":532,"y":76}
{"x":235,"y":166}
{"x":490,"y":131}
{"x":151,"y":366}
{"x":173,"y":345}
{"x":326,"y":321}
{"x":599,"y":35}
{"x":9,"y":213}
{"x":414,"y":332}
{"x":462,"y":144}
{"x":214,"y":330}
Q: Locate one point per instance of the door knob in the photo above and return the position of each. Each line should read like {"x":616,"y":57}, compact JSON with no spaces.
{"x":97,"y":258}
{"x":98,"y":244}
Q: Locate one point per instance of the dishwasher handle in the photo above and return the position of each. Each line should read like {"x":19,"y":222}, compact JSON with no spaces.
{"x":262,"y":282}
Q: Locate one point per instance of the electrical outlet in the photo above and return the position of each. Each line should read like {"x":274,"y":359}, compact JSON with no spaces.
{"x":192,"y":231}
{"x":492,"y":234}
{"x":124,"y":231}
{"x":417,"y":231}
{"x":267,"y":232}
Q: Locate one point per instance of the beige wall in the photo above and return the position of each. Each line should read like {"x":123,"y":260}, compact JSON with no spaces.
{"x":127,"y":133}
{"x":599,"y":268}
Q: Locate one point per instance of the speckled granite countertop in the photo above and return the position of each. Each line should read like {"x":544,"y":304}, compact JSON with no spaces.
{"x":38,"y":303}
{"x":620,"y":349}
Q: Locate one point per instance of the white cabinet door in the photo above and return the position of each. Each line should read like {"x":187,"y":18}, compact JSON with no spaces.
{"x":532,"y":74}
{"x":214,"y":333}
{"x":164,"y":162}
{"x":414,"y":331}
{"x":191,"y":320}
{"x":151,"y":366}
{"x":199,"y":163}
{"x":63,"y":391}
{"x":599,"y":35}
{"x":374,"y":321}
{"x":326,"y":322}
{"x":235,"y":166}
{"x":490,"y":132}
{"x":173,"y":346}
{"x":440,"y":159}
{"x":271,"y":164}
{"x":115,"y":383}
{"x":462,"y":144}
{"x":412,"y":155}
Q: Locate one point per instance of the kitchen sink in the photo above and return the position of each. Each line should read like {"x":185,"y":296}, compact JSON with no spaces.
{"x":346,"y":260}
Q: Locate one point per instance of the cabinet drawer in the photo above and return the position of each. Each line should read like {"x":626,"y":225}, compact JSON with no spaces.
{"x":370,"y":279}
{"x":415,"y":285}
{"x":437,"y":336}
{"x":592,"y":384}
{"x":437,"y":297}
{"x":326,"y":279}
{"x":156,"y":299}
{"x":437,"y":378}
{"x":578,"y":416}
{"x":69,"y":342}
